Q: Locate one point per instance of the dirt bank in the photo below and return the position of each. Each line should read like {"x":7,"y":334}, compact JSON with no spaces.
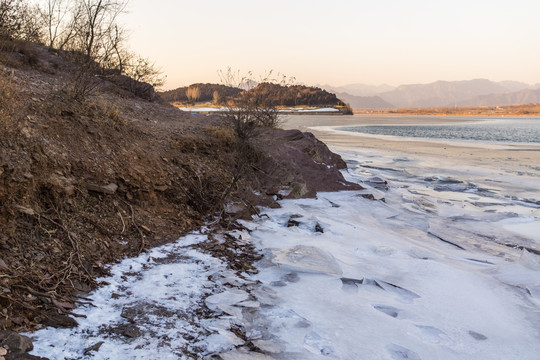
{"x":85,"y":183}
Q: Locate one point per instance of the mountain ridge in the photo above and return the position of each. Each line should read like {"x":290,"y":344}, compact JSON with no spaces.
{"x":475,"y":92}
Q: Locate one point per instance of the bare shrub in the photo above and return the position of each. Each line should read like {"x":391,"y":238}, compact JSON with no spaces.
{"x":346,"y":110}
{"x":251,"y":109}
{"x":224,"y":135}
{"x":143,"y":70}
{"x":83,"y":79}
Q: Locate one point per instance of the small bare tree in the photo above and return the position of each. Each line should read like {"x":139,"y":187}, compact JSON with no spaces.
{"x":61,"y":19}
{"x":143,"y":70}
{"x":251,"y":109}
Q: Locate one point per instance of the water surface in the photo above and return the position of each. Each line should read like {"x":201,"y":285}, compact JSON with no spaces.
{"x":515,"y":130}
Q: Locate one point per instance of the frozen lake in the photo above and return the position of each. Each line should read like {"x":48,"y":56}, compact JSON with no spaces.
{"x":514,"y":130}
{"x":427,"y":263}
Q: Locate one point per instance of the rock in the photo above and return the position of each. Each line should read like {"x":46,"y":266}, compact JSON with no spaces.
{"x":161,"y":188}
{"x":129,"y":313}
{"x":292,"y":223}
{"x":15,"y":343}
{"x":56,"y":320}
{"x":107,"y":189}
{"x":3,"y":351}
{"x":319,"y":228}
{"x":368,"y":196}
{"x":25,"y":356}
{"x":62,"y":183}
{"x":131,"y":331}
{"x":298,"y":190}
{"x":93,"y":348}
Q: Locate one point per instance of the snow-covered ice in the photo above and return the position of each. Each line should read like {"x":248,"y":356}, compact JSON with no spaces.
{"x":433,"y":269}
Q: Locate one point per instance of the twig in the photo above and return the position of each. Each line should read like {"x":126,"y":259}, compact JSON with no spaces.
{"x":143,"y":244}
{"x":74,"y":243}
{"x":123,"y":223}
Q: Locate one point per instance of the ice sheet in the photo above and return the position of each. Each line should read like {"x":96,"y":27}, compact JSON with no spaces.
{"x":433,"y":269}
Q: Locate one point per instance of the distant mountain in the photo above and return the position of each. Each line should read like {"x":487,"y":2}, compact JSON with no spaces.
{"x":441,"y":93}
{"x":364,"y":102}
{"x":513,"y":86}
{"x":359,"y":89}
{"x":526,"y":96}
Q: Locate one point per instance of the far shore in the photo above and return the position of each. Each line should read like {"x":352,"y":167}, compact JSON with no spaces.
{"x":522,"y":158}
{"x":524,"y":110}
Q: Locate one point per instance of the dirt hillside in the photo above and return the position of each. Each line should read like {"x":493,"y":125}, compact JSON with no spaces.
{"x":86,"y":182}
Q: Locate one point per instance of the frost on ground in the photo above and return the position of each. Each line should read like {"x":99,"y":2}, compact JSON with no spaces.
{"x":173,"y":302}
{"x":424,"y":264}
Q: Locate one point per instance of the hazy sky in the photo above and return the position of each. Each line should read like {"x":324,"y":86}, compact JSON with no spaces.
{"x":342,"y":41}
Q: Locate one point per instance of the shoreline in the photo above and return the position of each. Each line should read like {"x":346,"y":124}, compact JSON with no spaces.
{"x":524,"y":158}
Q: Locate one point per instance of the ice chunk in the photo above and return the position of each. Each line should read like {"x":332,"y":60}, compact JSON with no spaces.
{"x":524,"y":274}
{"x":223,"y":341}
{"x":308,"y":259}
{"x":388,"y":310}
{"x":273,"y":347}
{"x":266,"y":296}
{"x":244,"y":355}
{"x":224,"y":301}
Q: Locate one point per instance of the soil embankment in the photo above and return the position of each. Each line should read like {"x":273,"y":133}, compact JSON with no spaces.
{"x":86,"y":182}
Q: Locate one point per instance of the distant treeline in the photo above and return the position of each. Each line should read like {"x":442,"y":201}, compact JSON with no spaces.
{"x":275,"y":94}
{"x":206,"y":93}
{"x":296,"y":95}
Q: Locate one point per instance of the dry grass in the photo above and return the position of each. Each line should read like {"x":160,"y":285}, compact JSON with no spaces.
{"x":223,"y":135}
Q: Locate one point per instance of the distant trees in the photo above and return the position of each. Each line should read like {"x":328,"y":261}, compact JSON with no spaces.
{"x":277,"y":94}
{"x":193,"y":93}
{"x":216,"y":93}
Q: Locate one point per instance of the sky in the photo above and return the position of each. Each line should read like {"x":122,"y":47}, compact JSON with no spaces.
{"x":340,"y":42}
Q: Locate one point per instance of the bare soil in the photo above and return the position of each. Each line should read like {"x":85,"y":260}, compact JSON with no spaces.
{"x":86,"y":183}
